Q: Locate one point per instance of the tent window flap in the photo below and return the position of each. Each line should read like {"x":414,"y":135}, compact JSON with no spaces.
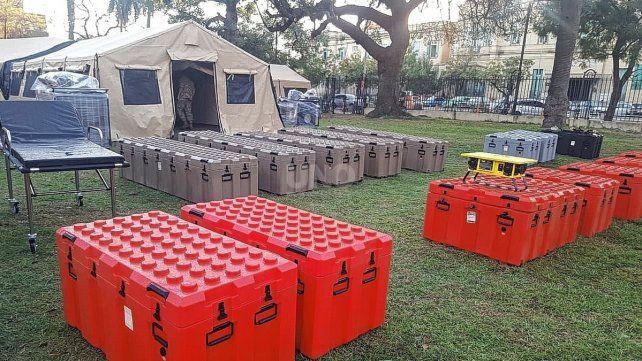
{"x":16,"y":79}
{"x":140,"y":87}
{"x":29,"y":80}
{"x":240,"y":89}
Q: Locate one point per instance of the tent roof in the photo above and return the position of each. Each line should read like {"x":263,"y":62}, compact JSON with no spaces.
{"x":104,"y":44}
{"x":23,"y":47}
{"x":285,"y":73}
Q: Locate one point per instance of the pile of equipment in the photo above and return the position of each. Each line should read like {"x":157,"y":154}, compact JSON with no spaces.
{"x":193,"y":172}
{"x":383,"y":155}
{"x":337,"y":162}
{"x":421,"y":154}
{"x":522,"y":143}
{"x":283,"y":169}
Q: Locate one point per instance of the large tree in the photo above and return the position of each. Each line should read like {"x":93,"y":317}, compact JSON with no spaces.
{"x":565,"y":17}
{"x":613,"y":29}
{"x":71,"y":19}
{"x":560,"y":17}
{"x":225,"y":24}
{"x":364,"y":24}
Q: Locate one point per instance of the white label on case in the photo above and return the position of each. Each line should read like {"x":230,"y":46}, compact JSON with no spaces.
{"x":160,"y":167}
{"x":471,"y":217}
{"x":572,"y":142}
{"x":505,"y":148}
{"x":129,"y":320}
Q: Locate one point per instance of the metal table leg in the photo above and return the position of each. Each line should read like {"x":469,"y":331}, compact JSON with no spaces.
{"x":79,"y":197}
{"x":13,"y":203}
{"x":112,"y":191}
{"x":32,"y":235}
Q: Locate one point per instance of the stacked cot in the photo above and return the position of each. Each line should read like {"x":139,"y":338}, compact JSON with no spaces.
{"x":283,"y":169}
{"x":189,"y":171}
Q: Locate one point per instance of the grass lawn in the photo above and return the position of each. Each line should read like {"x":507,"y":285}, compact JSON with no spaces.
{"x":582,"y":302}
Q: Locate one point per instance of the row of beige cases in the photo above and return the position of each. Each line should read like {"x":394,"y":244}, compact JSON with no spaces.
{"x":189,"y":171}
{"x":283,"y":169}
{"x":383,"y":156}
{"x":421,"y":154}
{"x":337,"y":162}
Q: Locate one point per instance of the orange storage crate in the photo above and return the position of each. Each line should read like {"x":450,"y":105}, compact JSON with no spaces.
{"x":629,"y":200}
{"x":154,"y":287}
{"x":490,"y":218}
{"x":625,"y":161}
{"x":343,"y":269}
{"x":632,"y":154}
{"x":600,"y":196}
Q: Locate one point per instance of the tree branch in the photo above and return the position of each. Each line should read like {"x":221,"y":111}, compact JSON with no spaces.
{"x":363,"y":12}
{"x":360,"y":37}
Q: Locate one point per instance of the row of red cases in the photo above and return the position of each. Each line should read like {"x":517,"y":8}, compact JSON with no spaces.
{"x":489,"y":217}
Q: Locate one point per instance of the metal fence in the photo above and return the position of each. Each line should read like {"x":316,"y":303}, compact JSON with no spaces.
{"x":589,"y":96}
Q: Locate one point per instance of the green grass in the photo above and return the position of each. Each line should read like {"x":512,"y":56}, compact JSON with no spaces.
{"x":581,"y":302}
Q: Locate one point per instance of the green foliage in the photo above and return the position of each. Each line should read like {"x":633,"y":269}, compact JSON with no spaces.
{"x":16,"y":23}
{"x":304,"y":53}
{"x":419,"y":75}
{"x":352,"y":68}
{"x":611,"y":27}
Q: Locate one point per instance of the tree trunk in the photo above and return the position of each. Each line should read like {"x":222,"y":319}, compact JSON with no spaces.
{"x":618,"y":86}
{"x":230,"y":24}
{"x":71,"y":18}
{"x":556,"y":108}
{"x":150,"y":13}
{"x":389,"y":70}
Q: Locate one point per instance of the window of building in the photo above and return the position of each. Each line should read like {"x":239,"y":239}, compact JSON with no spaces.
{"x":240,"y":89}
{"x":416,"y":47}
{"x":542,"y":39}
{"x":355,"y":49}
{"x":514,"y":38}
{"x":342,"y":53}
{"x":140,"y":87}
{"x":325,"y":54}
{"x":432,"y":51}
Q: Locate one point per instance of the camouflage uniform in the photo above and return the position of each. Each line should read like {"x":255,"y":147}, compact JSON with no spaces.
{"x":186,"y":90}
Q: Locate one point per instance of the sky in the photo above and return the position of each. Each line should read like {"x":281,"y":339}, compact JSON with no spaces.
{"x":56,"y":13}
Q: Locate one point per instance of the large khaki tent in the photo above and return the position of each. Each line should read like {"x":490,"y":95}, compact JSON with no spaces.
{"x":286,"y":79}
{"x":20,"y":50}
{"x":142,"y":72}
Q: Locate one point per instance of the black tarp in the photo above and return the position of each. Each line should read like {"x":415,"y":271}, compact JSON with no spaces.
{"x":5,"y":71}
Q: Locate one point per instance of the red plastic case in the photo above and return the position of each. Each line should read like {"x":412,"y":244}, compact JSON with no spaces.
{"x":154,"y":287}
{"x":343,"y":269}
{"x":600,"y":196}
{"x":624,"y":161}
{"x":490,"y":218}
{"x":632,"y":154}
{"x":629,"y":199}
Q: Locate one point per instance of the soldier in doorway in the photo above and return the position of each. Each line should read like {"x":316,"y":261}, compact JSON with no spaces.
{"x":186,"y":90}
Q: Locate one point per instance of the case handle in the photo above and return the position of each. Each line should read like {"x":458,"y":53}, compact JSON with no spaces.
{"x":442,"y":205}
{"x":505,"y":219}
{"x":211,"y":339}
{"x":266,"y":314}
{"x":342,"y":286}
{"x":369,"y":275}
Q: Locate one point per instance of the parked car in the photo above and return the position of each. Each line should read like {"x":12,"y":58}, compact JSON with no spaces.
{"x":637,"y":109}
{"x":524,"y":107}
{"x":344,"y":102}
{"x":434,"y":102}
{"x":457,"y":102}
{"x":622,"y":109}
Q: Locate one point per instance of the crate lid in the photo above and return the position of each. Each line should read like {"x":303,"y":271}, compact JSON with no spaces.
{"x":622,"y":161}
{"x":622,"y":173}
{"x":590,"y":183}
{"x":500,"y":192}
{"x":165,"y":259}
{"x":316,"y":242}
